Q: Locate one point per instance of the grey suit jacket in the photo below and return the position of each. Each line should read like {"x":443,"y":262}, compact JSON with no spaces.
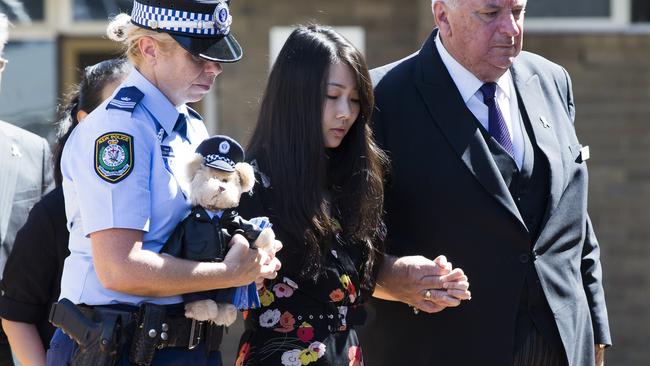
{"x":25,"y":176}
{"x":443,"y":177}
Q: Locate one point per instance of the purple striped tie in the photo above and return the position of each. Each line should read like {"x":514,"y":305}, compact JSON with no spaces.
{"x":496,"y":123}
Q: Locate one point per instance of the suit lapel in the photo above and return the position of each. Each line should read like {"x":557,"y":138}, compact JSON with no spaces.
{"x":9,"y":165}
{"x":458,"y":124}
{"x":533,"y":101}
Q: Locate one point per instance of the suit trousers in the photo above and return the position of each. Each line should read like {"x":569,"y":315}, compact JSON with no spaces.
{"x":535,"y":351}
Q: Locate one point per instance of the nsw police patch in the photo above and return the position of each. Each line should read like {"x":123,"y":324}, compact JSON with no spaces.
{"x":114,"y":156}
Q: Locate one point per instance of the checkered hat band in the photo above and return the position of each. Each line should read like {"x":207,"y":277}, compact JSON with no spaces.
{"x":177,"y":21}
{"x":213,"y":157}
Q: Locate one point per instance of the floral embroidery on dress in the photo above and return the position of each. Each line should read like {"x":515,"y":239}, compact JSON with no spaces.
{"x":349,"y":286}
{"x":337,"y":295}
{"x":308,"y":356}
{"x":319,"y":348}
{"x":305,"y":332}
{"x":282,"y":290}
{"x":287,"y":323}
{"x":291,"y":358}
{"x":266,"y":296}
{"x":290,"y":282}
{"x":270,"y":318}
{"x":355,"y":357}
{"x":304,"y":356}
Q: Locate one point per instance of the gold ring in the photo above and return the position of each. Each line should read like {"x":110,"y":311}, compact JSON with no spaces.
{"x":427,"y":295}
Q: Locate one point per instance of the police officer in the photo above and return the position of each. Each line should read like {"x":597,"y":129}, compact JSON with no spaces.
{"x":123,"y":198}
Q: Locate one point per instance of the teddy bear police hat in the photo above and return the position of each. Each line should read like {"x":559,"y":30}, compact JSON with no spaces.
{"x":221,"y":152}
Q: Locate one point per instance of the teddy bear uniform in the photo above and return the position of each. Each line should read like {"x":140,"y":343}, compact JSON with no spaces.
{"x":203,"y":237}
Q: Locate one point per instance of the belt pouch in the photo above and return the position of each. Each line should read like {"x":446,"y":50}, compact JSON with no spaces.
{"x":150,"y":334}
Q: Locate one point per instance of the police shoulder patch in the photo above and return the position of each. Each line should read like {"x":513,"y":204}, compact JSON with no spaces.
{"x":126,"y":99}
{"x":114,"y":156}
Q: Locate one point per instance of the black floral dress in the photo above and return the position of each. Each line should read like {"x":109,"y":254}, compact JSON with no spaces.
{"x":304,"y":322}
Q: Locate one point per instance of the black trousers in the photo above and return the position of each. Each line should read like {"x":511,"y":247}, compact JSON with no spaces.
{"x":536,"y":351}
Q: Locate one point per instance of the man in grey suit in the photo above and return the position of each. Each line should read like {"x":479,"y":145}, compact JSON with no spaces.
{"x":25,"y":176}
{"x":487,"y":169}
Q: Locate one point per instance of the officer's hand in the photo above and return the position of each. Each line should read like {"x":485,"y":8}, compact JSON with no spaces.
{"x":247,"y":265}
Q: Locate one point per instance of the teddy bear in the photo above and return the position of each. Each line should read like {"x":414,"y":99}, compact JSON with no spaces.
{"x":217,"y":177}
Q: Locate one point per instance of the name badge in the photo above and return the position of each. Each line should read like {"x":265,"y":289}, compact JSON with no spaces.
{"x":167,"y":151}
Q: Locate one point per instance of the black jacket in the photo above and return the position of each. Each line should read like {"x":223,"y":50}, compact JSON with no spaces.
{"x":444,"y":175}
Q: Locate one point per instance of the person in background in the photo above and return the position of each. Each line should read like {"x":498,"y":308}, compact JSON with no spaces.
{"x":123,"y":199}
{"x":26,"y":175}
{"x":320,"y":182}
{"x":32,"y":276}
{"x":485,"y":154}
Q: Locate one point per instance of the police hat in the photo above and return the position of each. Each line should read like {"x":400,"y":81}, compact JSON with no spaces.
{"x":202,"y":27}
{"x":221,"y":152}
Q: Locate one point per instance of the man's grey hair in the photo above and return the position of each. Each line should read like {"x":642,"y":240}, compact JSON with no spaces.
{"x":4,"y":31}
{"x":451,"y":3}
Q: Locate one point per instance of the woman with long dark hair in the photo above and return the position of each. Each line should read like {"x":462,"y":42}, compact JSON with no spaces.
{"x":320,"y":182}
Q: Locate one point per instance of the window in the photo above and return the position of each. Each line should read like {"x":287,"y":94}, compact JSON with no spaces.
{"x":32,"y":67}
{"x":84,"y":10}
{"x":573,"y":8}
{"x":588,"y":15}
{"x":23,"y":12}
{"x":640,"y":11}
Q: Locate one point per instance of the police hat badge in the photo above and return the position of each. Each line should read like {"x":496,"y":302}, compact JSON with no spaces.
{"x":202,"y":27}
{"x":221,"y":152}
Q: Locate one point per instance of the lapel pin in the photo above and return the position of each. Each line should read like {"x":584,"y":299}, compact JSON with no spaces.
{"x":584,"y":153}
{"x":15,"y":151}
{"x":544,"y":122}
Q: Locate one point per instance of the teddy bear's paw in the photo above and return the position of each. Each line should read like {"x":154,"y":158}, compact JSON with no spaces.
{"x":265,"y":240}
{"x":201,"y":310}
{"x":227,"y":314}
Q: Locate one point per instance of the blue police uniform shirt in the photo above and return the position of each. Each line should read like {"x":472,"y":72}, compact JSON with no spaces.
{"x":121,"y":168}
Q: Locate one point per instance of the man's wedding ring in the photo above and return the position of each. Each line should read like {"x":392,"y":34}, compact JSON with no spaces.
{"x":427,"y":295}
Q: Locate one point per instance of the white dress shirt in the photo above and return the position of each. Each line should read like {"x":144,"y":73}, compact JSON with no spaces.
{"x":468,"y":85}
